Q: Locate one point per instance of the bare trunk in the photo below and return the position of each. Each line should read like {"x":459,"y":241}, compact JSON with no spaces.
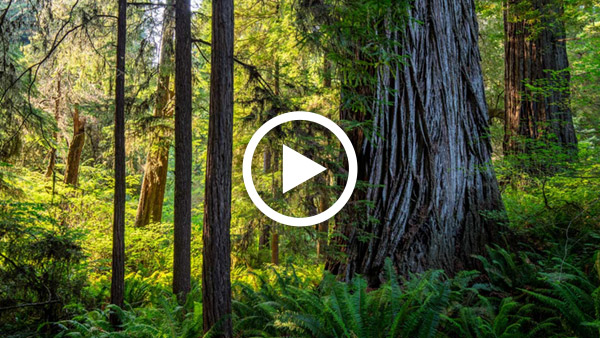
{"x":183,"y":151}
{"x":427,"y":158}
{"x":117,"y":287}
{"x":322,"y":228}
{"x":274,"y":233}
{"x":52,"y":153}
{"x":75,"y":148}
{"x":216,"y":267}
{"x":155,"y":172}
{"x":326,"y":72}
{"x":263,"y":238}
{"x":536,"y":77}
{"x":274,"y":247}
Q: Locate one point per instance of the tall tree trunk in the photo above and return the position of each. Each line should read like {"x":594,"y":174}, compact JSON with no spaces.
{"x":157,"y":163}
{"x":117,"y":287}
{"x":52,"y":153}
{"x":216,"y":283}
{"x":427,"y":158}
{"x":536,"y":77}
{"x":75,"y":148}
{"x":183,"y":151}
{"x":274,"y":228}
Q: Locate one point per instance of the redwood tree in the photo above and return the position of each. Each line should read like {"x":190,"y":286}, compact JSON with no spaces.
{"x":422,"y":147}
{"x":183,"y":151}
{"x":117,"y":286}
{"x":216,"y":283}
{"x":536,"y":76}
{"x":155,"y":172}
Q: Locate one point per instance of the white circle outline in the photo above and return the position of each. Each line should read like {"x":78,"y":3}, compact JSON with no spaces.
{"x":302,"y":116}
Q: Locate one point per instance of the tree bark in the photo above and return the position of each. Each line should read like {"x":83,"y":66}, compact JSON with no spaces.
{"x":75,"y":148}
{"x":427,"y":158}
{"x":216,"y":283}
{"x":155,"y":173}
{"x":183,"y":151}
{"x":117,"y":287}
{"x":536,"y":77}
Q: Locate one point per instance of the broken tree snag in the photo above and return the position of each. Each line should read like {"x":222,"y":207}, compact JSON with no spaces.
{"x":75,"y":148}
{"x":155,"y":172}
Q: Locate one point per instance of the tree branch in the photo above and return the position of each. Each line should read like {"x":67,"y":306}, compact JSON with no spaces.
{"x":153,"y":4}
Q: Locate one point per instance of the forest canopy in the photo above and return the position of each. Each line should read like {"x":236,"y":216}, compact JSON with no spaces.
{"x":123,"y":209}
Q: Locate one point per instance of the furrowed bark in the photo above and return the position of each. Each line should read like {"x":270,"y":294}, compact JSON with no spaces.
{"x":155,"y":172}
{"x":183,"y":151}
{"x":117,"y":286}
{"x":216,"y":283}
{"x":427,"y":157}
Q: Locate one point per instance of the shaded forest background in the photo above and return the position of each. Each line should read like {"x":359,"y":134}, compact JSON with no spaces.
{"x":122,"y":132}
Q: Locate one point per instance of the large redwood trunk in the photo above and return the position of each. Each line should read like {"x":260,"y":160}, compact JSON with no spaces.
{"x":155,"y":172}
{"x":536,"y":76}
{"x":427,"y":158}
{"x":75,"y":148}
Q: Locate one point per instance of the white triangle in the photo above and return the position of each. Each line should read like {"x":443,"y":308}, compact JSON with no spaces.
{"x":297,"y":169}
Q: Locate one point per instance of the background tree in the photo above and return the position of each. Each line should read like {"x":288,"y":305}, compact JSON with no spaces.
{"x":216,"y":267}
{"x":76,"y":147}
{"x":183,"y":150}
{"x":537,"y":78}
{"x":117,"y":287}
{"x":157,"y":162}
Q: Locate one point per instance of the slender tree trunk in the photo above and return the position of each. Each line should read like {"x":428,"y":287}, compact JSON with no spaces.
{"x":536,"y":77}
{"x":274,"y":228}
{"x":155,"y":173}
{"x":263,"y":238}
{"x":216,"y":283}
{"x":75,"y":148}
{"x":326,"y":72}
{"x":117,"y":286}
{"x":52,"y":153}
{"x":427,"y":158}
{"x":274,"y":247}
{"x":183,"y":150}
{"x":322,"y":228}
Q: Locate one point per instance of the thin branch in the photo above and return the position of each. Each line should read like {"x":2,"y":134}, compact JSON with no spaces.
{"x":5,"y":12}
{"x":250,"y":68}
{"x":154,"y":4}
{"x":28,"y":305}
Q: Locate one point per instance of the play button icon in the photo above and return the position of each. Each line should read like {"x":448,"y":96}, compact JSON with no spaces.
{"x":297,"y":169}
